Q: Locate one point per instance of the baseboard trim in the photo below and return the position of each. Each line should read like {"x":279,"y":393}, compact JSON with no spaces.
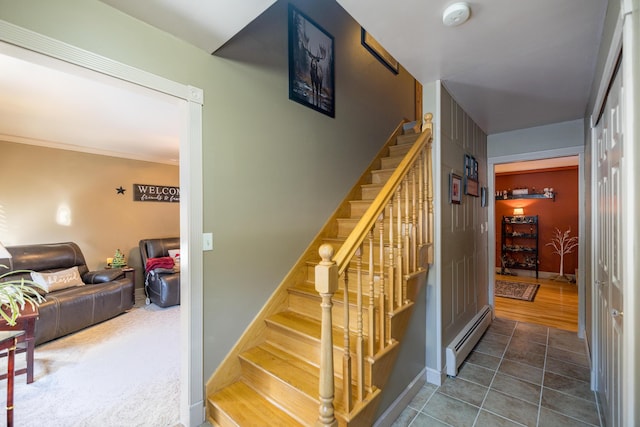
{"x":435,"y":377}
{"x":395,"y":409}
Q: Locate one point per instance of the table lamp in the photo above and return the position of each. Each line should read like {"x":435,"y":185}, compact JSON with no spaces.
{"x":518,"y":212}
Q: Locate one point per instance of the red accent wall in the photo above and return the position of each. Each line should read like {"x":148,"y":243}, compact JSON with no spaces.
{"x":563,"y":213}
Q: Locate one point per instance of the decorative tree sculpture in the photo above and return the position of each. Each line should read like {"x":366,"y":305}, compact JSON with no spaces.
{"x":563,"y":244}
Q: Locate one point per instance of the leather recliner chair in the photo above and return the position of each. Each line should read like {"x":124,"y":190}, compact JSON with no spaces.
{"x":107,"y":293}
{"x":161,"y":287}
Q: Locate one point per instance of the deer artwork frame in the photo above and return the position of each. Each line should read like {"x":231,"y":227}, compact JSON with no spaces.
{"x":311,"y":64}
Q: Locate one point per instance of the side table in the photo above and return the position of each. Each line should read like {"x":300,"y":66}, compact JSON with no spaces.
{"x":130,"y":273}
{"x":9,"y":341}
{"x":26,"y":322}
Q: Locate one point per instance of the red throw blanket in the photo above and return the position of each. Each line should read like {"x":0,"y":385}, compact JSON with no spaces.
{"x":165,"y":262}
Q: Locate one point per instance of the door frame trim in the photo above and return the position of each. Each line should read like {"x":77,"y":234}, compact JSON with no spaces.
{"x":540,"y":155}
{"x":192,"y":410}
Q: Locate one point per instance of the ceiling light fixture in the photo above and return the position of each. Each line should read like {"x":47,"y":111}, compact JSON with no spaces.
{"x":456,"y":14}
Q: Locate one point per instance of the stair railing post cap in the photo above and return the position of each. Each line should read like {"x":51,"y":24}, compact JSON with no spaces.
{"x":326,"y":271}
{"x":326,"y":252}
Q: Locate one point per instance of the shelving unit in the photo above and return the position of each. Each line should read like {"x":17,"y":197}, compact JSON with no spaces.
{"x":520,"y":243}
{"x":552,"y":196}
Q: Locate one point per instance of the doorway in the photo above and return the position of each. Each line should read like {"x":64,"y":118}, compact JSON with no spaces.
{"x":190,"y":100}
{"x":556,"y":303}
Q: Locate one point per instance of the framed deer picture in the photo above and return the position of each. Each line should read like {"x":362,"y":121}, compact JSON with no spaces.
{"x":311,"y":64}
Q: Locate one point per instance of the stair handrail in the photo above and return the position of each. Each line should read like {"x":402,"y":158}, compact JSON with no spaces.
{"x":348,"y":249}
{"x":331,"y":268}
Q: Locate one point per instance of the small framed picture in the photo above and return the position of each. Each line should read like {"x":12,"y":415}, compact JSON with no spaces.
{"x":471,"y":187}
{"x":455,"y":189}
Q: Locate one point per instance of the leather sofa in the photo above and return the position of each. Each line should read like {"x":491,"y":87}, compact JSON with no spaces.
{"x":162,"y":286}
{"x":104,"y":295}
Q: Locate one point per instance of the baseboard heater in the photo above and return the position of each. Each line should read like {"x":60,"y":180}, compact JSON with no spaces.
{"x":463,"y":343}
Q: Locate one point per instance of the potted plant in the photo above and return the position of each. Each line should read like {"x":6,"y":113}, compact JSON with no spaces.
{"x":15,"y":293}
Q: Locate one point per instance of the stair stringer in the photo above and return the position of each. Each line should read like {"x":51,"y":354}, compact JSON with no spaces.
{"x":230,"y":368}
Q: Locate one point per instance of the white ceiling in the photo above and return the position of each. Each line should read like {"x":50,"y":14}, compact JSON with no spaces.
{"x":514,"y":64}
{"x":47,"y":102}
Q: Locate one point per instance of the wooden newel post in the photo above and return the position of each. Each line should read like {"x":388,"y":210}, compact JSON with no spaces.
{"x":326,"y":285}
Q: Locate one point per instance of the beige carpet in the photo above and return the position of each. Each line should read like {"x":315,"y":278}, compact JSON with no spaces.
{"x":122,"y":372}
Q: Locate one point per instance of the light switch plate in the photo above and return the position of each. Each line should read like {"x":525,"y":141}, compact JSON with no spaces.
{"x":207,"y":241}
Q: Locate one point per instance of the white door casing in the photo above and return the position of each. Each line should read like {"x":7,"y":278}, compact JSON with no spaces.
{"x":608,"y":138}
{"x":191,"y":283}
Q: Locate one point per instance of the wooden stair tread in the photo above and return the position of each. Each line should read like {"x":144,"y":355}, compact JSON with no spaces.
{"x":308,"y":326}
{"x":309,"y":290}
{"x":288,"y":369}
{"x":291,"y":370}
{"x":247,"y":407}
{"x":298,"y":323}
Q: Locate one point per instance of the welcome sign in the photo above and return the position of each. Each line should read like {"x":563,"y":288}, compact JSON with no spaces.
{"x":156,"y":193}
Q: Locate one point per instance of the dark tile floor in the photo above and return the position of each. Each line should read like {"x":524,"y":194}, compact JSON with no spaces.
{"x":519,"y":374}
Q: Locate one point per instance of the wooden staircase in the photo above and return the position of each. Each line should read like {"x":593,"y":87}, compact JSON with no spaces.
{"x":297,"y":364}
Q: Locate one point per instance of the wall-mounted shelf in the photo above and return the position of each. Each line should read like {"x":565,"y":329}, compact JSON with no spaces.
{"x":552,"y":196}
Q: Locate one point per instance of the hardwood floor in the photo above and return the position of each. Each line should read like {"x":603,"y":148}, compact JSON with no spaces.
{"x":555,"y":304}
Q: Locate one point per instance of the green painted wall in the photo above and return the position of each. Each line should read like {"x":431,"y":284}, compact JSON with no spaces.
{"x":273,"y":170}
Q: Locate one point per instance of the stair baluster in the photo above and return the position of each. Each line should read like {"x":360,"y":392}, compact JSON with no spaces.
{"x":414,"y":220}
{"x":346,"y":358}
{"x":399,"y":267}
{"x":359,"y":326}
{"x":371,"y":314}
{"x":392,"y":269}
{"x":421,"y":199}
{"x":326,"y":285}
{"x":382,"y":334}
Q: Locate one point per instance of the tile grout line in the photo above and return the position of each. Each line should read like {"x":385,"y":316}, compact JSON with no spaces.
{"x":495,"y":373}
{"x":420,"y":411}
{"x":544,"y":371}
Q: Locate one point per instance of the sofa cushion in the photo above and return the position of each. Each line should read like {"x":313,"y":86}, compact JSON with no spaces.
{"x":58,"y":280}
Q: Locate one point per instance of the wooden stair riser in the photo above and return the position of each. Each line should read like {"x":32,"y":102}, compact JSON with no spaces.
{"x":307,"y":349}
{"x":390,"y":162}
{"x":346,"y":226}
{"x":399,"y":150}
{"x":403,"y":141}
{"x":291,"y":399}
{"x":311,"y":308}
{"x":296,"y":388}
{"x":359,"y":207}
{"x":353,"y":280}
{"x":370,"y":191}
{"x":381,"y":176}
{"x":240,"y":404}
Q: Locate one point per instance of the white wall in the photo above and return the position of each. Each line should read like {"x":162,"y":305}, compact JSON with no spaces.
{"x":540,"y":138}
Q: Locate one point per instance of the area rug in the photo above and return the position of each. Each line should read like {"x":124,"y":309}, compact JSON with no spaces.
{"x":516,"y":290}
{"x":121,"y":373}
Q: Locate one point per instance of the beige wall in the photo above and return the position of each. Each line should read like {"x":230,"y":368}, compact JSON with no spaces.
{"x":463,"y":240}
{"x":39,"y":182}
